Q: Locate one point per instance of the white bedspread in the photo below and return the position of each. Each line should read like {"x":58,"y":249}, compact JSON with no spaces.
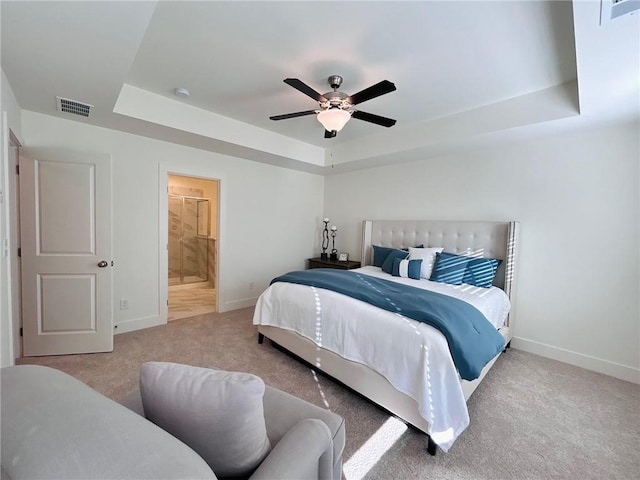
{"x":413,"y":356}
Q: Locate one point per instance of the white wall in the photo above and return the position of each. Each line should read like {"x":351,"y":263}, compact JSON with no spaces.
{"x":10,"y":105}
{"x":10,"y":120}
{"x":576,"y":196}
{"x":268,"y":215}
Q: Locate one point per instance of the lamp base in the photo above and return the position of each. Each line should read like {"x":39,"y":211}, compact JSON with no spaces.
{"x":324,"y":256}
{"x":333,"y":257}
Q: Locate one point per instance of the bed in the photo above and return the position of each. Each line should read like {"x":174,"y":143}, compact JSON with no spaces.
{"x":422,"y":386}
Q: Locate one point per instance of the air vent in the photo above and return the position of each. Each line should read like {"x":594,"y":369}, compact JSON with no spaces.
{"x":71,"y":106}
{"x":612,"y":9}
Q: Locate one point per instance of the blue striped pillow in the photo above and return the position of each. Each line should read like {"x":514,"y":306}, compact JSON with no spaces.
{"x":407,"y":268}
{"x":480,"y":272}
{"x":449,"y":268}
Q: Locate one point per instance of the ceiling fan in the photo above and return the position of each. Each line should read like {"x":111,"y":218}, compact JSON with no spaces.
{"x":336,"y":108}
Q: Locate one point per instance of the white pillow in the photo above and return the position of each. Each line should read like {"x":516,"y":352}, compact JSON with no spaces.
{"x":428,"y":256}
{"x":219,"y":414}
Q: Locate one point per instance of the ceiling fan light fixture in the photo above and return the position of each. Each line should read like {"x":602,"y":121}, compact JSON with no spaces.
{"x":336,"y":107}
{"x":333,"y":119}
{"x":181,"y":92}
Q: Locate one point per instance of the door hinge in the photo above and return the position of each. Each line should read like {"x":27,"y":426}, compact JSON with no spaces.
{"x":20,"y":331}
{"x":17,"y":169}
{"x":167,"y":302}
{"x":19,"y":251}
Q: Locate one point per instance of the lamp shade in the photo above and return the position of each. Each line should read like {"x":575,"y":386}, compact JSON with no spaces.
{"x":333,"y":119}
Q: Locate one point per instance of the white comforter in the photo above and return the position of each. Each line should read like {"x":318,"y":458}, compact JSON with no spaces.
{"x":413,"y":356}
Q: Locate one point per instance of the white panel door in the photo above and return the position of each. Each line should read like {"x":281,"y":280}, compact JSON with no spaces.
{"x":65,"y":217}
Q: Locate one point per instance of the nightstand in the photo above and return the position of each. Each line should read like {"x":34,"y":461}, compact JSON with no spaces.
{"x":319,"y":263}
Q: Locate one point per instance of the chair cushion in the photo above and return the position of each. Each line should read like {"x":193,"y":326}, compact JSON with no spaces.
{"x":219,"y":414}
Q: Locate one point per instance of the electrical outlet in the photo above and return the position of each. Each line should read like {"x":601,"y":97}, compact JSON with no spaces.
{"x":124,"y":303}
{"x":252,"y":285}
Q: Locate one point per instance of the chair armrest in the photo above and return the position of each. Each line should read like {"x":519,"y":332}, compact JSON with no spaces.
{"x":304,"y":452}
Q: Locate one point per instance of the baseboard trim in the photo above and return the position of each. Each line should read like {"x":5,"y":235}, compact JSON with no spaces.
{"x":137,"y":324}
{"x":599,"y":365}
{"x":237,"y":304}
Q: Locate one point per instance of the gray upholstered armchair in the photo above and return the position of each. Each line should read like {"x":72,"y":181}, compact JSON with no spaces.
{"x":54,"y":426}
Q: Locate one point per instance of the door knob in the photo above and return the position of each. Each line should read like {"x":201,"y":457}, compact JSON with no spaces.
{"x":102,"y":264}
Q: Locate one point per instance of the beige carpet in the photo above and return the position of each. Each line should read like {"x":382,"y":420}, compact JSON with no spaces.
{"x":531,"y":418}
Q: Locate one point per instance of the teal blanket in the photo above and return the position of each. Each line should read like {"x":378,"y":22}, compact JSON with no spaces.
{"x":473,"y":340}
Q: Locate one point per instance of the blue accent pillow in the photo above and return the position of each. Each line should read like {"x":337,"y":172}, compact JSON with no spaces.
{"x":481,"y":272}
{"x":407,"y":268}
{"x":380,"y":254}
{"x":387,"y":265}
{"x":449,"y":268}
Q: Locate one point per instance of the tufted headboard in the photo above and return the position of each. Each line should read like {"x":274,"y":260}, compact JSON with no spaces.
{"x":482,"y":239}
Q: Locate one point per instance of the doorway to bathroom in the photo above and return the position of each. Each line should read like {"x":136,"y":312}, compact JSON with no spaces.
{"x":191,"y":248}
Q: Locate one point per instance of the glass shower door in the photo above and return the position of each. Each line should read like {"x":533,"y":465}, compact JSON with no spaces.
{"x":175,"y":238}
{"x":188,"y":240}
{"x":190,"y":244}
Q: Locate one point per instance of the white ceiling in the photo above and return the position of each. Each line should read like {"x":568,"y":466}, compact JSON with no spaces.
{"x":464,"y":71}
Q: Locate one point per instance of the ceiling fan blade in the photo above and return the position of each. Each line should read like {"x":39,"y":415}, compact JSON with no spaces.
{"x":304,"y":88}
{"x":330,"y":134}
{"x":377,"y":119}
{"x":292,"y":115}
{"x":373,"y":91}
